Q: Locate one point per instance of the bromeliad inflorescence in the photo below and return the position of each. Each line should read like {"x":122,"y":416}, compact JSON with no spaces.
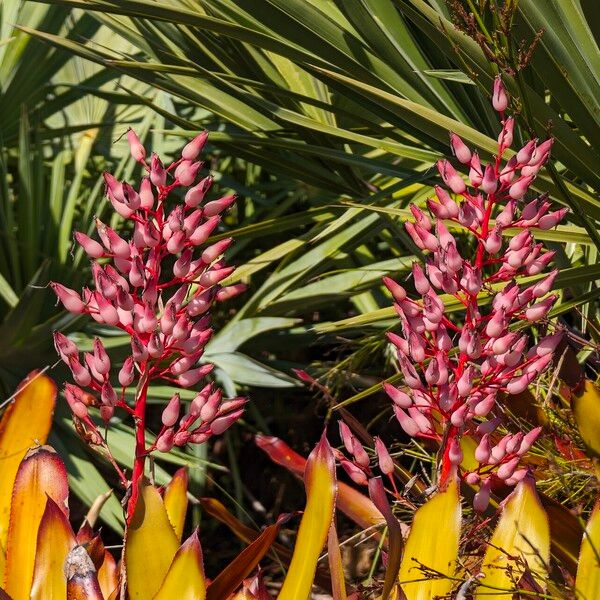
{"x":456,"y":372}
{"x":158,"y":287}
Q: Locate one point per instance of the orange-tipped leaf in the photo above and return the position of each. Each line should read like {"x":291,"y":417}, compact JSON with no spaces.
{"x":25,"y":423}
{"x":41,"y":475}
{"x":54,"y":542}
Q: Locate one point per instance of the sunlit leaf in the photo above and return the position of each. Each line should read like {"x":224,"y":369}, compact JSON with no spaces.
{"x":432,"y":545}
{"x":521,"y":541}
{"x":319,"y":479}
{"x":176,"y":501}
{"x":587,"y":582}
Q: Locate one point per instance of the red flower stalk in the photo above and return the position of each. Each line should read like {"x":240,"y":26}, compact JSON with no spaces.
{"x":454,"y":374}
{"x":158,"y":287}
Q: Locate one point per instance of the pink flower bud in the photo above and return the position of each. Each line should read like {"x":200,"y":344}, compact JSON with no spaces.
{"x":170,"y":414}
{"x":519,"y":188}
{"x":214,"y":276}
{"x":181,"y":438}
{"x":499,"y":96}
{"x":155,"y":345}
{"x":421,"y":283}
{"x":360,"y":455}
{"x":481,"y":499}
{"x":73,"y":396}
{"x":232,"y":405}
{"x":126,"y":373}
{"x":465,"y":382}
{"x":406,"y":422}
{"x":519,"y":384}
{"x":384,"y":460}
{"x":356,"y":474}
{"x":489,"y":182}
{"x":508,"y":172}
{"x":91,"y":247}
{"x":216,"y":207}
{"x":138,"y":152}
{"x":476,"y":172}
{"x":80,"y":374}
{"x":446,"y":201}
{"x":346,"y":436}
{"x":505,"y":139}
{"x":70,"y":298}
{"x":457,"y":418}
{"x":398,"y":397}
{"x":520,"y":240}
{"x":195,"y":195}
{"x":548,"y":344}
{"x":192,"y":149}
{"x":202,"y":232}
{"x":215,"y":250}
{"x":541,"y":152}
{"x":482,"y":408}
{"x":451,"y":178}
{"x":496,"y":325}
{"x":64,"y":346}
{"x":507,"y":469}
{"x":505,"y":218}
{"x":528,"y":441}
{"x":108,"y":395}
{"x":540,"y":310}
{"x":138,"y":350}
{"x":132,"y":198}
{"x":146,"y":195}
{"x":397,"y":291}
{"x":165,"y":442}
{"x":552,"y":219}
{"x":158,"y":174}
{"x":194,"y":375}
{"x":211,"y":407}
{"x":221,"y":424}
{"x":101,"y":360}
{"x":482,"y":452}
{"x":472,"y":478}
{"x":460,"y":149}
{"x":186,"y":172}
{"x":230,"y":291}
{"x":525,"y":153}
{"x":455,"y":454}
{"x":538,"y":265}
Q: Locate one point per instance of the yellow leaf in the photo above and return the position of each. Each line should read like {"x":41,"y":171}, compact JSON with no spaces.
{"x":108,"y":575}
{"x":150,"y":545}
{"x":175,"y":499}
{"x":41,"y":475}
{"x":185,"y":579}
{"x":432,"y":544}
{"x":54,"y":542}
{"x":319,"y":480}
{"x":587,"y":582}
{"x":521,"y":540}
{"x":586,"y":410}
{"x":25,"y":423}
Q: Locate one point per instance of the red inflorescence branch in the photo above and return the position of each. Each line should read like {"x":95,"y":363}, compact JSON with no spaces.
{"x":158,"y":287}
{"x":455,"y":373}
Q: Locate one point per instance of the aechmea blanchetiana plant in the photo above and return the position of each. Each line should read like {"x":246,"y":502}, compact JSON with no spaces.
{"x":456,"y":371}
{"x":158,"y":287}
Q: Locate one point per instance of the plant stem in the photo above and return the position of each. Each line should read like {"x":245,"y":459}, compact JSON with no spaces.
{"x":140,"y":444}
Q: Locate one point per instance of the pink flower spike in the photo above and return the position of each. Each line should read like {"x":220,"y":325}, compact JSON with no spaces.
{"x":460,"y":149}
{"x":499,"y":96}
{"x":384,"y":460}
{"x":138,"y":152}
{"x":192,"y":149}
{"x":69,"y":298}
